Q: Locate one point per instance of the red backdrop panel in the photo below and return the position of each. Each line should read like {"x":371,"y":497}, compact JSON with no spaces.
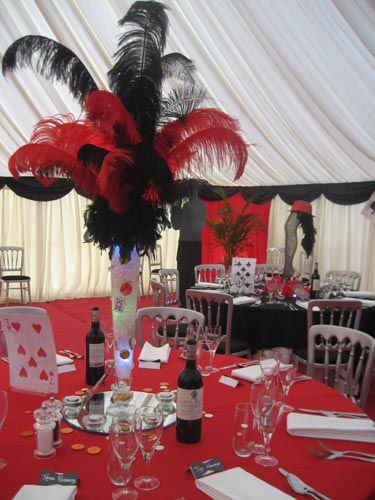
{"x":257,"y":247}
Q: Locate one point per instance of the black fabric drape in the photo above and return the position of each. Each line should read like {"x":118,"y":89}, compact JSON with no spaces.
{"x":348,"y":193}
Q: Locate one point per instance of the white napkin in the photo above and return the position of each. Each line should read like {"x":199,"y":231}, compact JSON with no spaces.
{"x":304,"y":304}
{"x":152,"y":353}
{"x":252,"y":373}
{"x":349,"y":429}
{"x":365,"y":302}
{"x":237,"y":484}
{"x":360,"y":294}
{"x":63,"y":360}
{"x":208,"y":284}
{"x":55,"y":491}
{"x":244,"y":300}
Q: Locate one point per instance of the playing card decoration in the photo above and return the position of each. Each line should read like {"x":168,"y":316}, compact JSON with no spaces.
{"x":242,"y":276}
{"x":31,"y":351}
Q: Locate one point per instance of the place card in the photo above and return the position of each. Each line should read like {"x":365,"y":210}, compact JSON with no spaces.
{"x":153,"y":365}
{"x":232,"y":382}
{"x":66,"y":368}
{"x":48,"y":477}
{"x":200,"y":469}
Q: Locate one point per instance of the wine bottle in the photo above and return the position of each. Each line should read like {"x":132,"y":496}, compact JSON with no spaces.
{"x":315,"y":283}
{"x":95,"y":341}
{"x":189,"y":399}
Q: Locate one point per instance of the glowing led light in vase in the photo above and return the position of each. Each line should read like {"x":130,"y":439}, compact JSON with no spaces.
{"x":124,"y":279}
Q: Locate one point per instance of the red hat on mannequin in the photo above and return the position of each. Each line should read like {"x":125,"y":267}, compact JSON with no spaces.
{"x":302,"y":206}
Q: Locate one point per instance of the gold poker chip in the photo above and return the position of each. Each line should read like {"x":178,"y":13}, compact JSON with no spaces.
{"x":147,"y":389}
{"x":93,"y":450}
{"x":159,"y":447}
{"x":239,"y":434}
{"x":78,"y":446}
{"x":124,"y":354}
{"x":209,"y":415}
{"x":79,"y":393}
{"x":26,"y":434}
{"x":66,"y":430}
{"x":28,"y":412}
{"x":164,"y":383}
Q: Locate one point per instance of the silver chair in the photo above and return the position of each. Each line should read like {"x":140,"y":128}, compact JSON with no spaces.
{"x":268,"y":269}
{"x":276,"y":255}
{"x":168,"y":324}
{"x":141,"y":281}
{"x":159,"y":293}
{"x":214,"y":305}
{"x":155,"y":263}
{"x":350,"y":279}
{"x":354,"y":353}
{"x":208,"y":272}
{"x":11,"y":272}
{"x":171,"y":280}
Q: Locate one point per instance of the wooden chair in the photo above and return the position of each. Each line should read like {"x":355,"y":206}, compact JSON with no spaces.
{"x":171,"y":280}
{"x":213,"y":305}
{"x":11,"y":272}
{"x":350,"y":279}
{"x":208,"y":272}
{"x":167,"y":323}
{"x":354,"y":353}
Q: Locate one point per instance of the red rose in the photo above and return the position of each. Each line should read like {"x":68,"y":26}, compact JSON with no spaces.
{"x":126,"y":288}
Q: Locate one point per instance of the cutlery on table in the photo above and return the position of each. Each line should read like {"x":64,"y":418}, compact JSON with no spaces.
{"x":332,"y":456}
{"x":345,"y":452}
{"x":71,"y":354}
{"x":240,"y":365}
{"x":329,"y":413}
{"x":301,"y":378}
{"x":300,"y":487}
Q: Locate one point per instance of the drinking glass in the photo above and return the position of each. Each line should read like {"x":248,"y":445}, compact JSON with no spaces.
{"x":269,"y":407}
{"x":256,"y":387}
{"x":213,"y":334}
{"x":148,"y":428}
{"x":205,"y":349}
{"x":3,"y":414}
{"x":244,"y":430}
{"x":288,"y":365}
{"x":269,"y":365}
{"x":271,"y":288}
{"x":124,"y":445}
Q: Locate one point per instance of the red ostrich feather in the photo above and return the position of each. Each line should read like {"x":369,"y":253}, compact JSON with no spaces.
{"x":47,"y":162}
{"x":112,"y":184}
{"x":107,"y":113}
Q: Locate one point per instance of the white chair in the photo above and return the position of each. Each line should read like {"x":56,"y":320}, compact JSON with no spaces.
{"x":159,"y":293}
{"x":11,"y":272}
{"x":171,"y":280}
{"x":276,"y":255}
{"x":350,"y":279}
{"x":155,"y":263}
{"x":354,"y":354}
{"x":168,"y":324}
{"x":218,"y":310}
{"x":208,"y":272}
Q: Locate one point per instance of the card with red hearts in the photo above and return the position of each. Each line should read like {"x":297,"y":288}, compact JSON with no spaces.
{"x":32,"y":354}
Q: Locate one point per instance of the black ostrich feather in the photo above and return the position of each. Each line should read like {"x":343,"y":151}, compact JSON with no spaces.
{"x":137,"y":67}
{"x":309,"y":232}
{"x":55,"y":62}
{"x":178,"y":67}
{"x":181,"y":100}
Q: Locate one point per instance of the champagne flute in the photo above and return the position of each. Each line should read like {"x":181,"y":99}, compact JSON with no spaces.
{"x":3,"y":414}
{"x":214,"y":334}
{"x":269,"y":406}
{"x":124,"y":446}
{"x":288,"y":366}
{"x":148,"y":428}
{"x":269,"y":365}
{"x":256,"y":388}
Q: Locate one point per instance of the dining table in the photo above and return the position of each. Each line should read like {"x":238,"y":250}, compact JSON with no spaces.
{"x":338,"y":479}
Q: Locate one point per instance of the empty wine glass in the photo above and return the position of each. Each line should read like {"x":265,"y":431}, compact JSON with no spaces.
{"x":109,"y":344}
{"x":214,"y":334}
{"x":269,"y":406}
{"x":125,"y":446}
{"x":256,"y":387}
{"x":271,"y":288}
{"x":148,"y":428}
{"x":288,"y":365}
{"x":269,"y":365}
{"x":3,"y":414}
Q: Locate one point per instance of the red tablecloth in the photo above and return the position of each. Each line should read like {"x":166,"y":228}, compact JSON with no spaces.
{"x":338,"y":479}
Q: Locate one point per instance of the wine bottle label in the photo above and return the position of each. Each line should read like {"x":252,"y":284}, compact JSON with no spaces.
{"x":96,"y":355}
{"x":189,"y":403}
{"x":316,"y":285}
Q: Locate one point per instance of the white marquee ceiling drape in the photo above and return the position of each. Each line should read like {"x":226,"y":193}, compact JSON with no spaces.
{"x":298,"y":75}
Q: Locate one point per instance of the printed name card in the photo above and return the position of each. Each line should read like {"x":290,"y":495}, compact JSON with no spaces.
{"x":232,"y":382}
{"x":200,"y":469}
{"x":48,"y":477}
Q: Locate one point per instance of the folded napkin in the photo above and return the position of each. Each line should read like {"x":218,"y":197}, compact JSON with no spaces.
{"x":55,"y":491}
{"x":252,"y":373}
{"x":152,"y":353}
{"x":305,"y":304}
{"x":349,"y":429}
{"x":365,"y":302}
{"x":360,"y":294}
{"x":208,"y":284}
{"x":63,"y":360}
{"x":237,"y":484}
{"x":244,"y":300}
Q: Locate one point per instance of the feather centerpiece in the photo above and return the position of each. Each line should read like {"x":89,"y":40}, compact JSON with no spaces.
{"x":136,"y":141}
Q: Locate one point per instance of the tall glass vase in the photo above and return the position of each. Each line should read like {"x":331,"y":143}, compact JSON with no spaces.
{"x":124,"y":279}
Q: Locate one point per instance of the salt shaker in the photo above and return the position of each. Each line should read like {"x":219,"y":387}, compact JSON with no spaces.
{"x":55,"y":407}
{"x":44,"y":425}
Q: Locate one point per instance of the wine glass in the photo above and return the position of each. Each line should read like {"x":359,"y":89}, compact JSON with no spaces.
{"x":256,"y":388}
{"x":271,"y":288}
{"x":3,"y":414}
{"x":109,"y":344}
{"x":148,"y":428}
{"x":124,"y":445}
{"x":269,"y":407}
{"x":269,"y":365}
{"x":213,"y":334}
{"x":288,"y":365}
